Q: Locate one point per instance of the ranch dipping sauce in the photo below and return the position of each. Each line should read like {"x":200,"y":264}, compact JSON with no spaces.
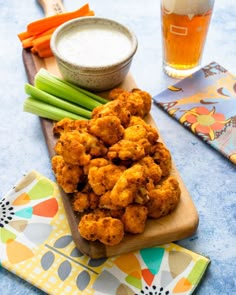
{"x":94,"y":45}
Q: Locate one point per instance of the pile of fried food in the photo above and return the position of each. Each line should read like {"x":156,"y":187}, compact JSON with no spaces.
{"x":114,"y":168}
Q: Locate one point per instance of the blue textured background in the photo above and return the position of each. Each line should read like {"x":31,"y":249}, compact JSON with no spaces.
{"x":209,"y":177}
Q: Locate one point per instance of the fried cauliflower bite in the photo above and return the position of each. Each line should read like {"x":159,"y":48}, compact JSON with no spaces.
{"x":164,"y":198}
{"x":67,"y":175}
{"x":108,"y":208}
{"x":117,"y":213}
{"x":134,"y":218}
{"x":80,"y":202}
{"x":135,"y":120}
{"x":83,"y":201}
{"x":147,"y":100}
{"x":113,"y":108}
{"x":88,"y":227}
{"x":114,"y":93}
{"x":133,"y":103}
{"x":105,"y":202}
{"x":135,"y":133}
{"x":128,"y":186}
{"x":138,"y":134}
{"x":108,"y":129}
{"x":103,"y":178}
{"x":150,"y":132}
{"x":108,"y":230}
{"x":162,"y":157}
{"x":137,"y":101}
{"x":66,"y":125}
{"x":77,"y":148}
{"x":152,"y":170}
{"x":126,"y":150}
{"x":97,"y":162}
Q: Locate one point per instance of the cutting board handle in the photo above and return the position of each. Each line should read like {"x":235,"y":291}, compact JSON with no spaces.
{"x":52,"y":7}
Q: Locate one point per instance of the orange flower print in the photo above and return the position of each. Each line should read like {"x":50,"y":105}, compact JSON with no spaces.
{"x":203,"y":121}
{"x":25,"y":217}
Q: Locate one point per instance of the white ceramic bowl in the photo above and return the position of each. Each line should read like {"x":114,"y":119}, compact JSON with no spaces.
{"x":93,"y":52}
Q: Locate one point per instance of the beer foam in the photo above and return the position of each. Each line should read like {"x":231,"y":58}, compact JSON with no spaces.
{"x":188,"y":7}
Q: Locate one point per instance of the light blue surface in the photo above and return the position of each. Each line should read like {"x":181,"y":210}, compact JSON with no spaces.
{"x":209,"y":177}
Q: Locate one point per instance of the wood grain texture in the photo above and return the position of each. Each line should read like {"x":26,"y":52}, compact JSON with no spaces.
{"x":181,"y":223}
{"x":51,"y":7}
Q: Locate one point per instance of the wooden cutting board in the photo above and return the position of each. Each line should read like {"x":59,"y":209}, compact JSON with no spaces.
{"x":181,"y":223}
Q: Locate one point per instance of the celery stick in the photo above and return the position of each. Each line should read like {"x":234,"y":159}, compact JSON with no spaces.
{"x":86,"y":92}
{"x":47,"y":111}
{"x":50,"y":84}
{"x":55,"y":101}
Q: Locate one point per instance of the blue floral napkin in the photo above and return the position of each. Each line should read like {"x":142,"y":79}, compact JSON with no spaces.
{"x":205,"y":103}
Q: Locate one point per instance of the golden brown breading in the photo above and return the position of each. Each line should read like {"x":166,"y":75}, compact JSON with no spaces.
{"x":108,"y":230}
{"x":139,"y":133}
{"x":83,"y":201}
{"x":126,"y":150}
{"x":68,"y":176}
{"x":113,"y":108}
{"x":80,"y":202}
{"x":88,"y":227}
{"x":66,"y":125}
{"x":93,"y":201}
{"x":96,"y":162}
{"x":108,"y":129}
{"x":103,"y":178}
{"x":141,"y":197}
{"x":135,"y":120}
{"x":77,"y":148}
{"x":117,"y":213}
{"x":152,"y":170}
{"x":128,"y":185}
{"x":100,"y":213}
{"x":163,"y":198}
{"x":105,"y":202}
{"x":162,"y":157}
{"x":147,"y":100}
{"x":151,"y":132}
{"x":133,"y":103}
{"x":137,"y":102}
{"x":103,"y":212}
{"x":149,"y":185}
{"x":114,"y":93}
{"x":135,"y":133}
{"x":134,"y":218}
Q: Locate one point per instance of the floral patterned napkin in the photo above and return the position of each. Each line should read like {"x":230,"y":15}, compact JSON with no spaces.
{"x":205,"y":103}
{"x":36,"y":245}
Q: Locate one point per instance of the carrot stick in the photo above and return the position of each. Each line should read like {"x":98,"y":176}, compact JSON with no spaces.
{"x":46,"y":23}
{"x":24,"y":35}
{"x":26,"y":43}
{"x":45,"y":52}
{"x":50,"y":31}
{"x":90,"y":13}
{"x":42,"y":42}
{"x":33,"y":50}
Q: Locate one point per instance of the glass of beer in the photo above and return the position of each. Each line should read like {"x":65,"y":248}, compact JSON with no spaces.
{"x":184,"y":29}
